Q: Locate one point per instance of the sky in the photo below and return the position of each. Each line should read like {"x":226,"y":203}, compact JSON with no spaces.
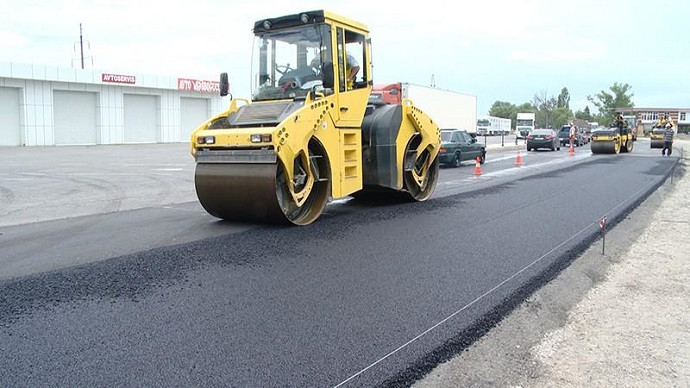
{"x":492,"y":49}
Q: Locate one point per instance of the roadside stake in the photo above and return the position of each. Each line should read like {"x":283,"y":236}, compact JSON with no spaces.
{"x":602,"y":226}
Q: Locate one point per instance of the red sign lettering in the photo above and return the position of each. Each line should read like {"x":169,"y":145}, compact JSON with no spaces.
{"x":196,"y":85}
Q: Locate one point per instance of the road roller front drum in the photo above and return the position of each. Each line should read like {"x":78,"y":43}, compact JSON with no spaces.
{"x":603,"y":147}
{"x":260,"y":192}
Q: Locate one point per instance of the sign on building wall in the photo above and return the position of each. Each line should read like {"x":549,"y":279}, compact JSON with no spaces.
{"x":196,"y":85}
{"x":119,"y":78}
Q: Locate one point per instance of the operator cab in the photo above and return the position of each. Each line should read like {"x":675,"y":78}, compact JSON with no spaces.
{"x":294,"y":55}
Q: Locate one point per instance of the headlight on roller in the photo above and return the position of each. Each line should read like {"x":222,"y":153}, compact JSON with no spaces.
{"x":261,"y":138}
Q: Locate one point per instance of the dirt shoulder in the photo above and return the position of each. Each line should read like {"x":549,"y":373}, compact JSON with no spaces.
{"x":622,"y":319}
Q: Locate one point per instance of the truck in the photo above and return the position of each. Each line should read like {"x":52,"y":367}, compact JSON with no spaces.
{"x":450,"y":109}
{"x":524,"y":125}
{"x":308,"y":133}
{"x":490,"y":126}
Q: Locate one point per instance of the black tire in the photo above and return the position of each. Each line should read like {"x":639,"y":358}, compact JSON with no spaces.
{"x":420,"y":191}
{"x":456,"y":160}
{"x":482,"y":157}
{"x":529,"y":149}
{"x":627,"y":146}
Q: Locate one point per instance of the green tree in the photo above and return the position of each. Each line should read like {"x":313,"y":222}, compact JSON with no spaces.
{"x":620,"y":97}
{"x":584,"y":114}
{"x":563,"y":99}
{"x":526,"y":107}
{"x":502,"y":109}
{"x":561,"y":116}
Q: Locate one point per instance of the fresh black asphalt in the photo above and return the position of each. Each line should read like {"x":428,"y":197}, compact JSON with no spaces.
{"x":343,"y":300}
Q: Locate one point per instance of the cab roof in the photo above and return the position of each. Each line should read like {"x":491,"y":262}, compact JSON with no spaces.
{"x":303,"y":18}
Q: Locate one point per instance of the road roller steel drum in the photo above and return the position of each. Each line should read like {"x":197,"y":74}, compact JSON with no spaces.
{"x":611,"y":141}
{"x":656,"y":138}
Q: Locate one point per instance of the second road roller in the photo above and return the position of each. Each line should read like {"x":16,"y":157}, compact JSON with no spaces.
{"x":612,"y":140}
{"x":307,"y":135}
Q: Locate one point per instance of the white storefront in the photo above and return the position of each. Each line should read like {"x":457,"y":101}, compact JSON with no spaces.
{"x":45,"y":106}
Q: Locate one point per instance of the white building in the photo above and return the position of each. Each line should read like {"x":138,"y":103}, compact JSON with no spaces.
{"x":45,"y":106}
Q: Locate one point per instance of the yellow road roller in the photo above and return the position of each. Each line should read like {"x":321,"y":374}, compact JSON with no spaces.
{"x":308,"y":134}
{"x":656,"y":138}
{"x":612,"y":140}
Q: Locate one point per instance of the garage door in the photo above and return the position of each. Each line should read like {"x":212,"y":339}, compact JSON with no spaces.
{"x":141,"y":118}
{"x":10,"y":134}
{"x":194,"y":111}
{"x":75,"y":117}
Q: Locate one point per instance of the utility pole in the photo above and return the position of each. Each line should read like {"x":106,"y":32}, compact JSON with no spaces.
{"x":81,"y":46}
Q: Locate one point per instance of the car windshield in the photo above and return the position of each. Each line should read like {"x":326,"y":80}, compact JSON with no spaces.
{"x":541,"y":133}
{"x":445,"y":136}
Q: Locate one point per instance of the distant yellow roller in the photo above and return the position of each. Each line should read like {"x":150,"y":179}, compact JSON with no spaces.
{"x":656,"y":138}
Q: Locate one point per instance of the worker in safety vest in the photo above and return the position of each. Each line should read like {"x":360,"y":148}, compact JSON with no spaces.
{"x":573,"y":134}
{"x":669,"y":120}
{"x":661,"y":123}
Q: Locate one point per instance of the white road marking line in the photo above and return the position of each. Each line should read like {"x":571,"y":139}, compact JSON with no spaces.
{"x":515,"y":170}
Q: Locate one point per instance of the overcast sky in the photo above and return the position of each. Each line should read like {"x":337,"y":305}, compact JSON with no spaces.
{"x":495,"y":50}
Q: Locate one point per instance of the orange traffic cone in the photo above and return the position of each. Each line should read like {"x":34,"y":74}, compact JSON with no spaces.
{"x":477,"y":167}
{"x":518,"y":161}
{"x":571,"y":151}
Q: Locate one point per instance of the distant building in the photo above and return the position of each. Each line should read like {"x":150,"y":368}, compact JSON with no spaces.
{"x":45,"y":106}
{"x":646,"y":117}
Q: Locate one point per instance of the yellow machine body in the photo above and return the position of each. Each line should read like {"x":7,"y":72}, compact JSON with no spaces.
{"x":303,"y":137}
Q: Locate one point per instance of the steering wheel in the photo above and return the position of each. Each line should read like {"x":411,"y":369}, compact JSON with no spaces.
{"x":283,"y":69}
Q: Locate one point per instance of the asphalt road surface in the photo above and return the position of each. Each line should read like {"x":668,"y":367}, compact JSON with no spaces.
{"x":371,"y":294}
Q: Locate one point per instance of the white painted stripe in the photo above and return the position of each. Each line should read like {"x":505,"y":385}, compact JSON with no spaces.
{"x":516,"y":170}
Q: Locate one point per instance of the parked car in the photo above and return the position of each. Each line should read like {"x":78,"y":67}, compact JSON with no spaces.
{"x":564,"y":136}
{"x":458,"y":145}
{"x":543,"y":138}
